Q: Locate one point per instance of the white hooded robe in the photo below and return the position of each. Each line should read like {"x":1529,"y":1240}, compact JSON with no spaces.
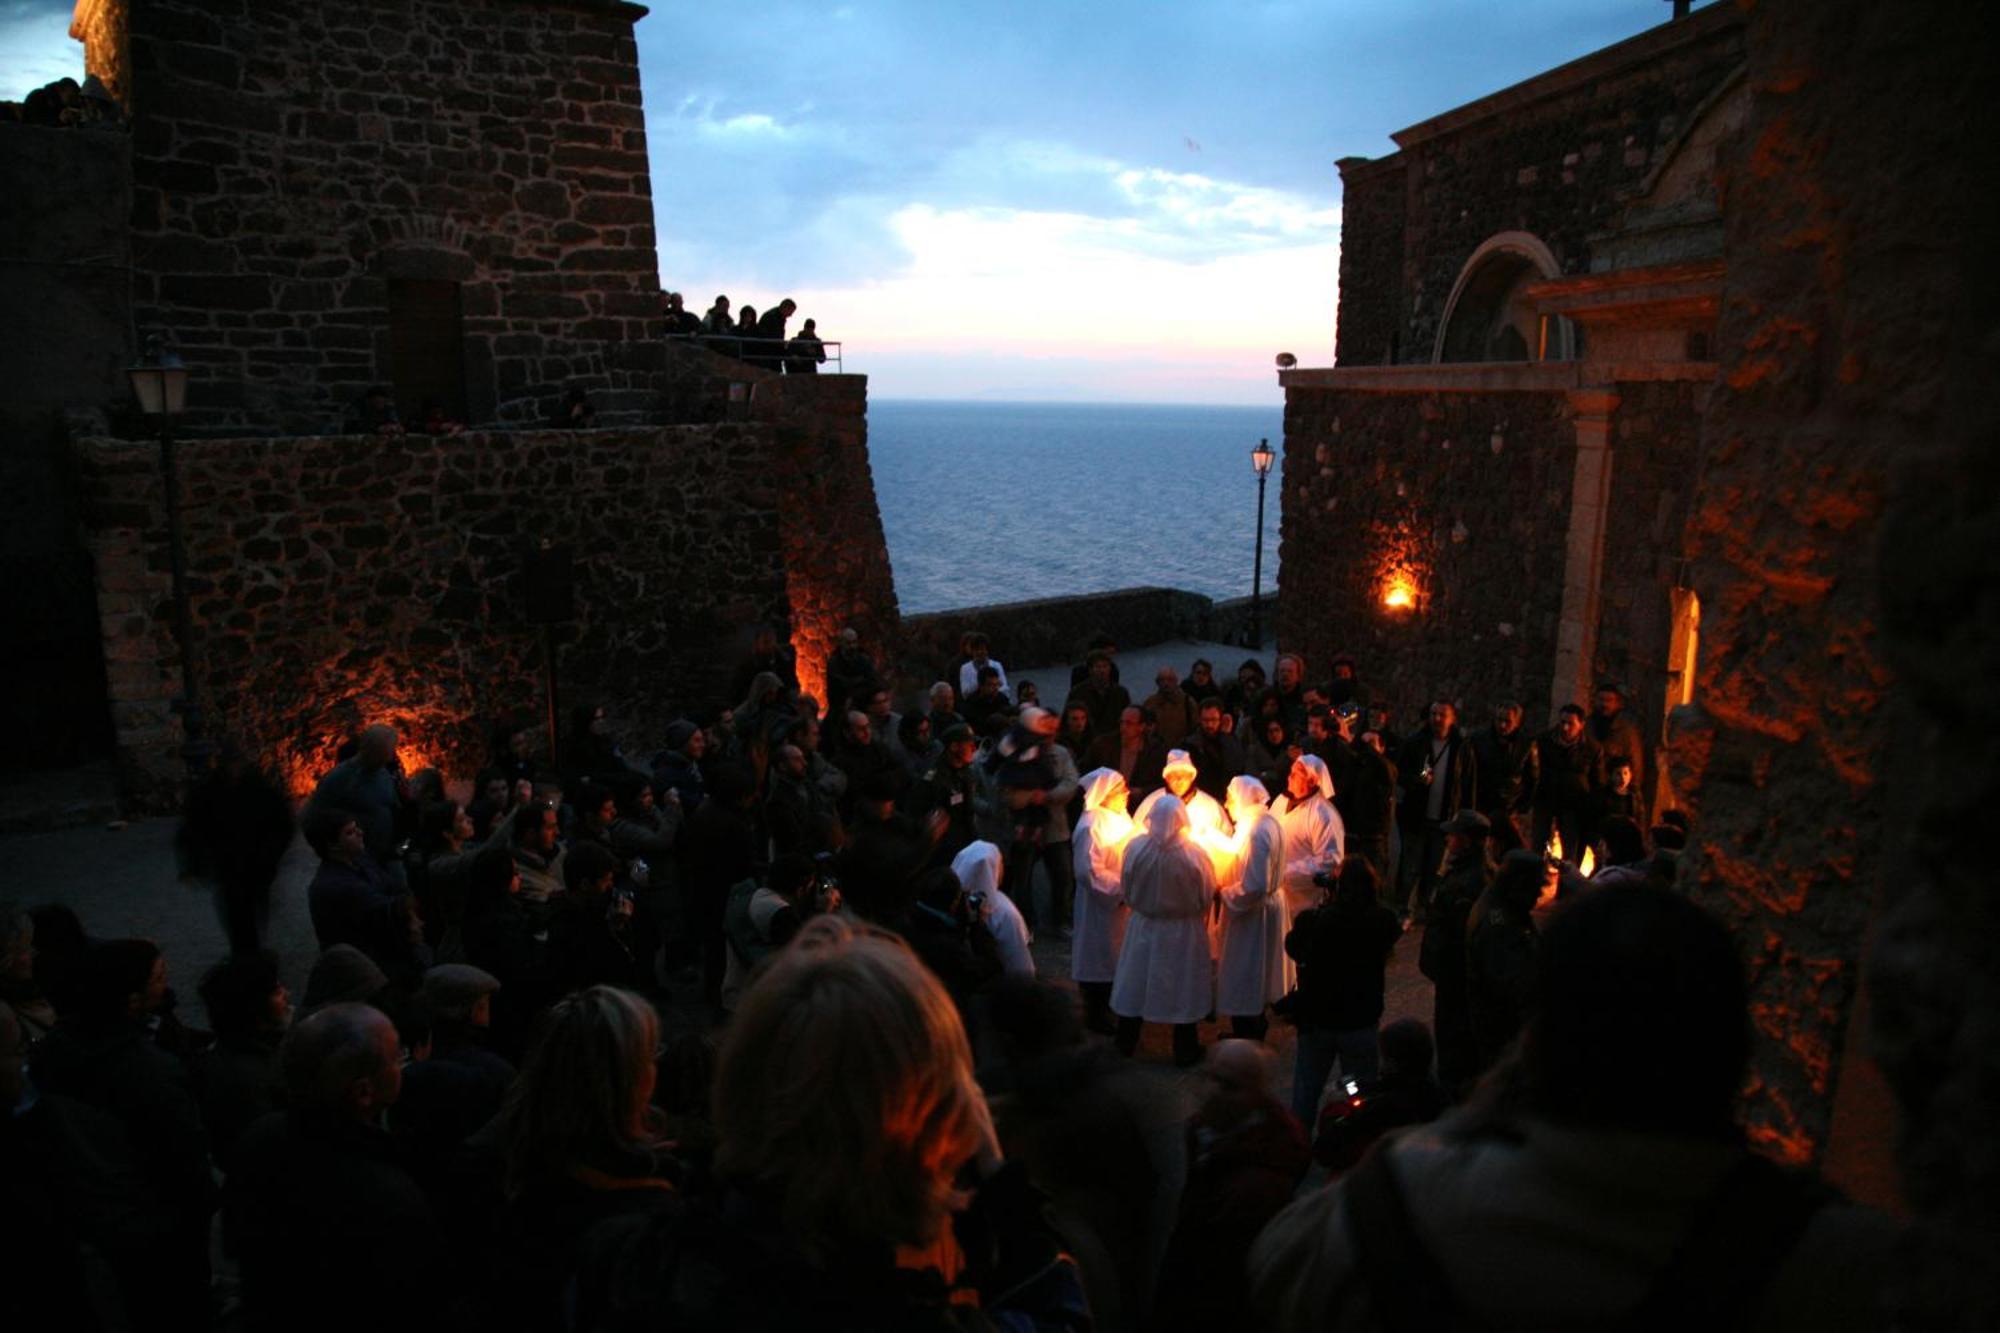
{"x":978,"y":871}
{"x":1315,"y":839}
{"x":1254,"y":968}
{"x":1097,"y":855}
{"x":1163,"y":971}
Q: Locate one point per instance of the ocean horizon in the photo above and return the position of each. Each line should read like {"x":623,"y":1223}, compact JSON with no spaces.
{"x":988,"y":502}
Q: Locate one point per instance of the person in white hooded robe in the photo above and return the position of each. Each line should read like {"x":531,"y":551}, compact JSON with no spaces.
{"x":1254,"y":968}
{"x":1163,"y":970}
{"x":1315,"y":837}
{"x":1205,"y":813}
{"x":978,"y":867}
{"x":1097,"y":854}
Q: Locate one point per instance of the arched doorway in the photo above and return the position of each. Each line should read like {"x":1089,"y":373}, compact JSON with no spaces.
{"x":1489,"y":316}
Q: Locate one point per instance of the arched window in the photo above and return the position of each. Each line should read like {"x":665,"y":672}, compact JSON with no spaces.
{"x":1489,"y":316}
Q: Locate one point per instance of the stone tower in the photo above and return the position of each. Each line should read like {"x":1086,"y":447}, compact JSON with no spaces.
{"x":450,"y":198}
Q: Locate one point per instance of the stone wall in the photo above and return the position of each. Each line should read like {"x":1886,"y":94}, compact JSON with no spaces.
{"x":1846,"y":531}
{"x":1386,"y":488}
{"x":1655,"y":439}
{"x":65,"y":286}
{"x":1054,"y":629}
{"x":1557,"y":157}
{"x":1369,"y":328}
{"x":836,"y":557}
{"x":340,"y":580}
{"x":294,"y":161}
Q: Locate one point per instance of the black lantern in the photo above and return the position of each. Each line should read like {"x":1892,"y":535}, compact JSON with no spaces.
{"x":1261,"y":459}
{"x":159,"y":382}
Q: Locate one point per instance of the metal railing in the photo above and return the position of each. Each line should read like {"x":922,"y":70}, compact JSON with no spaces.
{"x":822,"y":357}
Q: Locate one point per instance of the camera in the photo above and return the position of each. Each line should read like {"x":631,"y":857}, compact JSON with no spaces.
{"x":975,"y":903}
{"x":1326,"y":879}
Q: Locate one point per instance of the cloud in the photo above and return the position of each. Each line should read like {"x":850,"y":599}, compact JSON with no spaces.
{"x":35,"y":47}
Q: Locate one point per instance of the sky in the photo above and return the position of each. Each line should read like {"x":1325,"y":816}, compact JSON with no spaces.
{"x":1046,"y":200}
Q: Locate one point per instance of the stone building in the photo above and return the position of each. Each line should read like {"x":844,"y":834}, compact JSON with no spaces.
{"x":452,"y":200}
{"x":1484,"y":497}
{"x":1671,"y":364}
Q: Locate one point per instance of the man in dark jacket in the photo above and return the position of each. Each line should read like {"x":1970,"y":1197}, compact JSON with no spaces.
{"x":864,"y":756}
{"x":1438,"y":779}
{"x":1468,"y":871}
{"x":330,"y":1231}
{"x":719,"y":849}
{"x":879,"y":865}
{"x":450,"y":1095}
{"x":237,"y":1079}
{"x":1615,"y":732}
{"x":1564,"y":770}
{"x":353,"y":901}
{"x":102,"y":1055}
{"x":1403,"y":1094}
{"x":850,"y":674}
{"x":952,"y":786}
{"x":1500,"y":752}
{"x":1136,"y":757}
{"x":802,"y":817}
{"x":1217,"y":755}
{"x":1245,"y":1156}
{"x":769,"y":350}
{"x":1502,"y":946}
{"x":1364,"y":791}
{"x":366,"y":788}
{"x":1100,"y":692}
{"x":1342,"y":948}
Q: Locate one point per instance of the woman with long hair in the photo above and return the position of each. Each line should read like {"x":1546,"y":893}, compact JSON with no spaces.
{"x":860,"y":1184}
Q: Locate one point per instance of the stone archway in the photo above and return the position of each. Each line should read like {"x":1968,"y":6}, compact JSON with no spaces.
{"x":1489,"y":316}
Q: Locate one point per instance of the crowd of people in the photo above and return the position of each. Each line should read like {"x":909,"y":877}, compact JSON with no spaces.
{"x":760,"y":340}
{"x":748,"y":1033}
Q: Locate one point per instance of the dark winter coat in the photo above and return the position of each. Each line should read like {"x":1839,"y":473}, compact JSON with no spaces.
{"x":722,"y":1261}
{"x":1342,"y":950}
{"x":330,"y":1231}
{"x":1562,"y":779}
{"x":1245,"y":1156}
{"x":1500,"y":760}
{"x":1456,"y":771}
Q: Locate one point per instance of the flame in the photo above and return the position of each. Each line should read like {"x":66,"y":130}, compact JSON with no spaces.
{"x":1588,"y":864}
{"x":1399,"y":596}
{"x":1554,"y":851}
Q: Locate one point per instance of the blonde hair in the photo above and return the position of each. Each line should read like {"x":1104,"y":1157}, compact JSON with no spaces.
{"x":845,"y":1090}
{"x":582,"y":1091}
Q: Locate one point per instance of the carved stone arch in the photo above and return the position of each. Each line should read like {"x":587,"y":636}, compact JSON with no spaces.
{"x":1488,"y":316}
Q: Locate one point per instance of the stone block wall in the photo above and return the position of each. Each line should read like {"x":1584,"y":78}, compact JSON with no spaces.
{"x":1844,"y":766}
{"x":1387,"y":487}
{"x":1561,"y":166}
{"x":65,"y":288}
{"x":339,"y":580}
{"x":1369,"y":329}
{"x":292,"y":161}
{"x":836,"y":558}
{"x":1655,"y":443}
{"x":1053,"y":629}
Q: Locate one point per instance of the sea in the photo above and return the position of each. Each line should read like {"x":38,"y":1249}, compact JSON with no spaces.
{"x":999,"y":502}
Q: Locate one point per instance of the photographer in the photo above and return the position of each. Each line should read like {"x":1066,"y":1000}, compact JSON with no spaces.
{"x":761,"y":919}
{"x":946,"y":928}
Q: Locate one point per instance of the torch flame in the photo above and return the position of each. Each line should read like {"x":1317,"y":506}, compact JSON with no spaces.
{"x":1400,"y":596}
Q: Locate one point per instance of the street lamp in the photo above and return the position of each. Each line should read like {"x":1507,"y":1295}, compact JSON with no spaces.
{"x":159,"y":382}
{"x":1261,"y":459}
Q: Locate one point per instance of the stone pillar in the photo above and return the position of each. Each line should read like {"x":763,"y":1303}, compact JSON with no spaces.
{"x":1583,"y":564}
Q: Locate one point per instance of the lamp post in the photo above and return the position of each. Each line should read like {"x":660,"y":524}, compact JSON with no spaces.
{"x":159,"y":381}
{"x":1261,"y":459}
